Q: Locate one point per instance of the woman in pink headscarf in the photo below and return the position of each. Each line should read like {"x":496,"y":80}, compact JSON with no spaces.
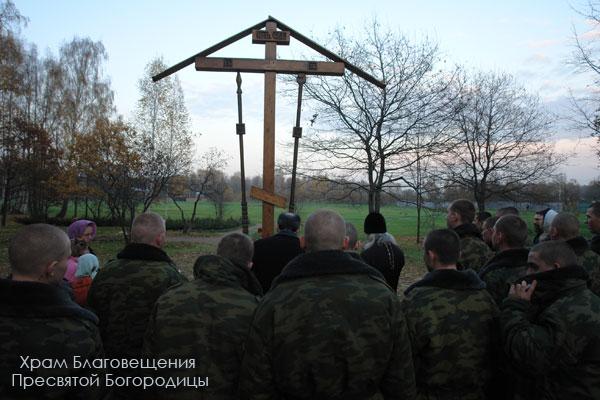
{"x":81,"y":233}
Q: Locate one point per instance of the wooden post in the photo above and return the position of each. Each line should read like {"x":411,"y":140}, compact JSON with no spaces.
{"x":268,"y":217}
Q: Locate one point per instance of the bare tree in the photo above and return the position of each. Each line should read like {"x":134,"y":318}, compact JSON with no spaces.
{"x":502,"y":142}
{"x":585,"y":108}
{"x":362,"y":134}
{"x":200,"y":183}
{"x":164,"y":136}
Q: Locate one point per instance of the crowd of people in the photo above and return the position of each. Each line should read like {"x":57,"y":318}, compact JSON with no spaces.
{"x":498,"y":315}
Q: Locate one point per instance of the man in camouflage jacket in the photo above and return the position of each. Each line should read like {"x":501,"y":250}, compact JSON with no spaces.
{"x":592,"y":219}
{"x":452,"y":323}
{"x":509,"y":238}
{"x":551,"y":328}
{"x":329,"y":328}
{"x":125,"y":290}
{"x":565,"y":226}
{"x":474,"y":253}
{"x":39,"y":321}
{"x":207,"y":320}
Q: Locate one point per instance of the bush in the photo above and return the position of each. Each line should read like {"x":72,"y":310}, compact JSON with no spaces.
{"x":28,"y":220}
{"x":203,"y":224}
{"x":206,"y":224}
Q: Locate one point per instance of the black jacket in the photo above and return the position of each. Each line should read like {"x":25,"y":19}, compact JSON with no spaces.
{"x":387,"y":258}
{"x":595,"y":244}
{"x":40,"y":321}
{"x":272,"y":254}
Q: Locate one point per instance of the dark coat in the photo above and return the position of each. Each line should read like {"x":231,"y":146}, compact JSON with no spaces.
{"x":452,"y":322}
{"x":329,"y":328}
{"x":474,"y":253}
{"x":387,"y":258}
{"x":207,"y":320}
{"x":503,"y":270}
{"x":589,"y":260}
{"x":595,"y":243}
{"x":554,"y":341}
{"x":40,"y":321}
{"x":272,"y":254}
{"x":123,"y":295}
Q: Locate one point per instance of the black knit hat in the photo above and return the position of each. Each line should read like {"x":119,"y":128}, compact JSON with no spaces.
{"x":375,"y":223}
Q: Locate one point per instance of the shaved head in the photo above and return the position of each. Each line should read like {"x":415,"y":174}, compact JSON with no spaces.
{"x":35,"y":246}
{"x":565,"y":225}
{"x":236,"y":247}
{"x":324,"y":230}
{"x":147,"y":227}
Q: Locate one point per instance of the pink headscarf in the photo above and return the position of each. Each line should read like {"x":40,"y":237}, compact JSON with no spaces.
{"x":77,"y":228}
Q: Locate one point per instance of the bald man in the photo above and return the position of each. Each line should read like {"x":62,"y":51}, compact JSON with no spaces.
{"x":329,"y":328}
{"x":125,"y":290}
{"x":38,"y":319}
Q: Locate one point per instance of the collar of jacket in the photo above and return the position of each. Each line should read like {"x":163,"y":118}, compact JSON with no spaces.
{"x":218,"y":270}
{"x":141,"y":251}
{"x":552,"y":284}
{"x":326,"y":262}
{"x":578,"y":244}
{"x":450,"y":279}
{"x":39,"y":300}
{"x":466,"y":230}
{"x":511,"y":258}
{"x":287,"y":232}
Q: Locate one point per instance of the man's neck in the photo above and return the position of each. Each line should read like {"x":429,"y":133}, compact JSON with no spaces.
{"x":25,"y":278}
{"x":445,"y":266}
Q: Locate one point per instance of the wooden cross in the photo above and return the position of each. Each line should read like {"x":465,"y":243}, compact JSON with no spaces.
{"x":270,"y":67}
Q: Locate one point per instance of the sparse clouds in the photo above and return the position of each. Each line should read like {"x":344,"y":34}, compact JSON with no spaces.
{"x":542,"y":44}
{"x":537,"y":58}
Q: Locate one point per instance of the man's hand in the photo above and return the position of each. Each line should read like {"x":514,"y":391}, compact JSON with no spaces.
{"x":522,"y":290}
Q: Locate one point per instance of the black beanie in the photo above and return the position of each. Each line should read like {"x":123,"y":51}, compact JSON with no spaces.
{"x":375,"y":223}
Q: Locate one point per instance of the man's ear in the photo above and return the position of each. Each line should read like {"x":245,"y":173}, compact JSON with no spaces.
{"x":160,"y":240}
{"x":553,"y":233}
{"x":556,"y":266}
{"x":432,"y":256}
{"x":50,"y":272}
{"x":302,"y":242}
{"x":346,"y":242}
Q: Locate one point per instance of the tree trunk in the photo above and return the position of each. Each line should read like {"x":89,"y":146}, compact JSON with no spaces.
{"x":63,"y":209}
{"x":418,"y":218}
{"x":193,"y":218}
{"x":6,"y":201}
{"x":186,"y":227}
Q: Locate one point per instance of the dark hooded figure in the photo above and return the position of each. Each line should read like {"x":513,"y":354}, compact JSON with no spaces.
{"x":381,"y":251}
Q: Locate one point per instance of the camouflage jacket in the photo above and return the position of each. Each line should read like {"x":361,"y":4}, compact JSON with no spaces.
{"x":595,"y":244}
{"x":589,"y":260}
{"x":206,"y":319}
{"x":40,"y":321}
{"x":474,"y":253}
{"x":329,"y":328}
{"x":123,"y":295}
{"x":452,"y":321}
{"x":503,"y":270}
{"x":553,"y":343}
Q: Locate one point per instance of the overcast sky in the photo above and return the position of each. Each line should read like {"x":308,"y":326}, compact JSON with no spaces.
{"x":531,"y":39}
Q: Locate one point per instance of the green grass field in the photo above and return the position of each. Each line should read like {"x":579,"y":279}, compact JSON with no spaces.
{"x":401,"y":222}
